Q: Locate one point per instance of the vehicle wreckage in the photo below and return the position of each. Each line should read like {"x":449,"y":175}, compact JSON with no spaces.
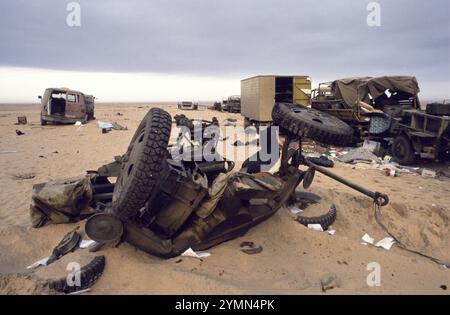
{"x":164,"y":206}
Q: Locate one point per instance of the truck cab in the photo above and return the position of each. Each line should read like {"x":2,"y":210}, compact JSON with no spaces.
{"x":62,"y":105}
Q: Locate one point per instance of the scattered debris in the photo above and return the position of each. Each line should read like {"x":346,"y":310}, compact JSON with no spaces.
{"x":386,"y":243}
{"x":372,"y":146}
{"x":24,"y":176}
{"x":116,"y":126}
{"x":8,"y":152}
{"x":190,"y":253}
{"x":366,"y":238}
{"x":86,"y":243}
{"x":315,"y":227}
{"x":78,"y":123}
{"x":330,"y":281}
{"x":19,"y":133}
{"x":443,"y":287}
{"x":106,"y":126}
{"x":119,"y":114}
{"x":428,"y":173}
{"x":358,"y":154}
{"x":21,"y":120}
{"x":391,"y":173}
{"x":250,"y":248}
{"x":41,"y":262}
{"x":295,"y":210}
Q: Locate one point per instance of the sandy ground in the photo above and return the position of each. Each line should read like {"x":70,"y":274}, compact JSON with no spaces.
{"x":294,"y":259}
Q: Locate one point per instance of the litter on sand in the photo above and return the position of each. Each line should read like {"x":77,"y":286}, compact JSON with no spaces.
{"x":315,"y":227}
{"x":78,"y":123}
{"x":295,"y":210}
{"x":366,"y":238}
{"x":191,"y":253}
{"x":386,"y":243}
{"x":41,"y":262}
{"x":86,"y":243}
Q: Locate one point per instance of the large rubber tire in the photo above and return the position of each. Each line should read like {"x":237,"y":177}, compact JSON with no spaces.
{"x":324,"y":220}
{"x":312,"y":124}
{"x":142,"y":164}
{"x":403,"y":151}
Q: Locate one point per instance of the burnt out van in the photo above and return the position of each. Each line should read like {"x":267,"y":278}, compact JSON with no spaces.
{"x":66,"y":106}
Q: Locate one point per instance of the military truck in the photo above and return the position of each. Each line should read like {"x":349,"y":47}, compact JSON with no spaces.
{"x":260,"y":93}
{"x":232,"y":104}
{"x":66,"y":106}
{"x":387,"y":109}
{"x":187,"y":105}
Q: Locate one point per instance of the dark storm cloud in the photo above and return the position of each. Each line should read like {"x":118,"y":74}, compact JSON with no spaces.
{"x":322,"y":38}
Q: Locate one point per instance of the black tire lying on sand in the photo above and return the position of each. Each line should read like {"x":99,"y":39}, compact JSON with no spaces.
{"x":142,"y":164}
{"x":312,"y":124}
{"x":324,"y":220}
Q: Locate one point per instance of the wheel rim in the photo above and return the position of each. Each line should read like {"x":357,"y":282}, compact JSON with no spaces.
{"x":134,"y":151}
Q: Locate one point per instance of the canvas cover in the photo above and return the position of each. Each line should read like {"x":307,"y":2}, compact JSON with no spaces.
{"x":353,"y":90}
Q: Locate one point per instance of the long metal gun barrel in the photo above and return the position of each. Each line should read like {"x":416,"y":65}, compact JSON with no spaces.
{"x":379,"y":198}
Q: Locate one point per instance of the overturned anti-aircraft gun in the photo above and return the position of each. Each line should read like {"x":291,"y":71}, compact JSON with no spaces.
{"x":164,"y":207}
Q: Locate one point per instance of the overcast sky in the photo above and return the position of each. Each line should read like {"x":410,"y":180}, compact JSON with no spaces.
{"x":166,"y":50}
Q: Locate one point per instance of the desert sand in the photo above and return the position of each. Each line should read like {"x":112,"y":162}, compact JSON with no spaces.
{"x":294,"y":258}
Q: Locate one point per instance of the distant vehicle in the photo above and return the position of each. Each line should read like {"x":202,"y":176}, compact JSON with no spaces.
{"x":187,"y":105}
{"x":65,"y":106}
{"x":387,"y":109}
{"x":232,"y":104}
{"x":260,"y":93}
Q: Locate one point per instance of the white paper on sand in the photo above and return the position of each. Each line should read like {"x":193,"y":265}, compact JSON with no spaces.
{"x":386,"y":243}
{"x":331,"y":231}
{"x":366,"y":238}
{"x":315,"y":227}
{"x":295,"y":210}
{"x":42,"y":262}
{"x":78,"y":123}
{"x":190,"y":253}
{"x":86,"y":243}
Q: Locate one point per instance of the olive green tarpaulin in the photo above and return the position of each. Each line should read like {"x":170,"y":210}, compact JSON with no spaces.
{"x":353,"y":90}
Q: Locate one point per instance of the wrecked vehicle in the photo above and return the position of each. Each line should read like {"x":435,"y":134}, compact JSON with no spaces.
{"x":387,"y":109}
{"x":164,"y":204}
{"x":187,"y":105}
{"x":65,"y":106}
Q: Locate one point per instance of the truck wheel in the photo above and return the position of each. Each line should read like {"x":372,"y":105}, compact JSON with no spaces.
{"x":142,"y":164}
{"x":312,"y":124}
{"x":402,"y":150}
